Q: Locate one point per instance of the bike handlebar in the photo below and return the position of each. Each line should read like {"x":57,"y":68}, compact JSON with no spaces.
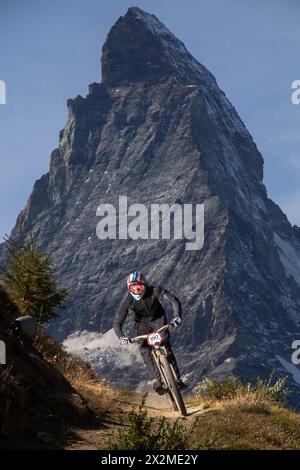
{"x":141,"y":337}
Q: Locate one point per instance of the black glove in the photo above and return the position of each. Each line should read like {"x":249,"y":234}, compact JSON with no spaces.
{"x":124,"y":340}
{"x":176,"y":322}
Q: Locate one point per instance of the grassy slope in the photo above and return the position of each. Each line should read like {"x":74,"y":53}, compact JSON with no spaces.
{"x":40,"y":386}
{"x":245,"y":424}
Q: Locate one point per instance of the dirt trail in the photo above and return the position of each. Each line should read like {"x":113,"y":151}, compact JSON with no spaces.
{"x":100,"y":434}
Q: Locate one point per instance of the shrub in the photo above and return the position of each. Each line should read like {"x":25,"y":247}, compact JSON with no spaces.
{"x":211,"y":390}
{"x":274,"y":393}
{"x":144,"y":433}
{"x":270,"y":390}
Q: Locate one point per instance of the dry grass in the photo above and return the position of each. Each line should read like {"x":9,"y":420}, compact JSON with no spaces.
{"x":242,"y":417}
{"x":270,"y":391}
{"x":95,"y":391}
{"x":48,"y":390}
{"x":42,"y":387}
{"x":238,"y":427}
{"x":99,"y":396}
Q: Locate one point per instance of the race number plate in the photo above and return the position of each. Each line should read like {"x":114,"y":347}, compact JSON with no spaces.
{"x":154,"y":339}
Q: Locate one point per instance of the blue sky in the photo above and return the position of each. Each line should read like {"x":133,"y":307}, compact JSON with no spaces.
{"x":50,"y":51}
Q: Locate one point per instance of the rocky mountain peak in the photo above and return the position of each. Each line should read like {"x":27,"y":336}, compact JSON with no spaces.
{"x":139,"y":47}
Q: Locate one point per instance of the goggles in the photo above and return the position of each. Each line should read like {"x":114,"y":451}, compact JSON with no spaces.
{"x":134,"y":284}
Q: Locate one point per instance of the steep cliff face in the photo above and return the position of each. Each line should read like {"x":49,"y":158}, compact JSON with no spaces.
{"x":158,"y":129}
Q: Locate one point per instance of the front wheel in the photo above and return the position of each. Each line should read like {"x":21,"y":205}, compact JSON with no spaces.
{"x":172,"y":385}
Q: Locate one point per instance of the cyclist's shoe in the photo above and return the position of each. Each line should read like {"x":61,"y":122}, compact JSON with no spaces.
{"x":157,"y":386}
{"x":181,"y":385}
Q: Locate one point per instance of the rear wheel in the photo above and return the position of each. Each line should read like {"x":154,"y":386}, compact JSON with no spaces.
{"x":172,"y":385}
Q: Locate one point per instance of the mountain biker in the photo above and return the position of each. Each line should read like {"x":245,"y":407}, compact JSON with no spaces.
{"x":144,"y":300}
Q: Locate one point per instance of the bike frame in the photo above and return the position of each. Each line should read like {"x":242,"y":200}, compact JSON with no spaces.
{"x":157,"y":351}
{"x":155,"y":341}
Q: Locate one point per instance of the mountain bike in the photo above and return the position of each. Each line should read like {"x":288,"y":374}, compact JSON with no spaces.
{"x":167,"y":373}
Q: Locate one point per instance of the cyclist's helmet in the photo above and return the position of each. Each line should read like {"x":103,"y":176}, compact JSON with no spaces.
{"x":136,"y":279}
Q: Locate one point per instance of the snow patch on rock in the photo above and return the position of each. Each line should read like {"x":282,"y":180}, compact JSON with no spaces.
{"x":102,"y":351}
{"x":290,"y":368}
{"x":289,"y":257}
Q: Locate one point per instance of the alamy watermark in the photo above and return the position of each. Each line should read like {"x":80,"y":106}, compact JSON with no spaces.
{"x":136,"y":222}
{"x":296,"y":94}
{"x":2,"y":352}
{"x":2,"y":92}
{"x":296,"y":354}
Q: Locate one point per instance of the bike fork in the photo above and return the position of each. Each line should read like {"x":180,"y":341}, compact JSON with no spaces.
{"x":157,"y":361}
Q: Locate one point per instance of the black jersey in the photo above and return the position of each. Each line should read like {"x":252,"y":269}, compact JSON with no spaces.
{"x":147,"y":309}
